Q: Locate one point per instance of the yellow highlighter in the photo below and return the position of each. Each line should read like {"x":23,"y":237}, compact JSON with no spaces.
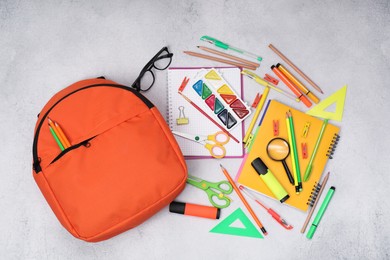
{"x":270,"y":180}
{"x":297,"y":83}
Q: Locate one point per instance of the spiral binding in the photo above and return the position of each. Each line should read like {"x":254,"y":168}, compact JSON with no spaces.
{"x":314,"y":194}
{"x":332,"y":146}
{"x":169,"y":115}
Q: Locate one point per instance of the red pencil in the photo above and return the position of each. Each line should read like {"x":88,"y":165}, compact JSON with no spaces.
{"x":181,"y":88}
{"x":206,"y":115}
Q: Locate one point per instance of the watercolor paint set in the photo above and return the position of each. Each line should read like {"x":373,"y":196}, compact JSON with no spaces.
{"x":224,"y":104}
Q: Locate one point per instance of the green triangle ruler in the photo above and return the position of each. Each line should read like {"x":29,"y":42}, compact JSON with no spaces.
{"x":337,"y":98}
{"x":225,"y":226}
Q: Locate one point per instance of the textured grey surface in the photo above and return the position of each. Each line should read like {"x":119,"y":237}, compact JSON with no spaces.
{"x":47,"y":45}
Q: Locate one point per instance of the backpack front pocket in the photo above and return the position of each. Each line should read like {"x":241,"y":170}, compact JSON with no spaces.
{"x":115,"y":178}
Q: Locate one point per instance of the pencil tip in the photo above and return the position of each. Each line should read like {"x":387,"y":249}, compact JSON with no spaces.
{"x":197,"y":46}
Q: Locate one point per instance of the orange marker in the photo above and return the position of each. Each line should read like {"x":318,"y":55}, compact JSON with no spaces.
{"x":297,"y":83}
{"x":289,"y":84}
{"x":194,"y":210}
{"x":244,"y":200}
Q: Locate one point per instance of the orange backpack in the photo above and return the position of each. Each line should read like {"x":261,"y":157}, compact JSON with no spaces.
{"x":123,"y":164}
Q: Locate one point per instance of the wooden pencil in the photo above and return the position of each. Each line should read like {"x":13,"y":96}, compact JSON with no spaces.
{"x":229,"y":56}
{"x":315,"y":203}
{"x":303,"y":75}
{"x":208,"y":57}
{"x":248,"y":207}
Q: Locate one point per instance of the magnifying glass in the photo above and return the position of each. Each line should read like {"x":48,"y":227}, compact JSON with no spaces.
{"x":278,"y":149}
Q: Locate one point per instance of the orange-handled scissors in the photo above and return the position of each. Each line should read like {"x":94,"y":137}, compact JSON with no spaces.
{"x":214,"y":143}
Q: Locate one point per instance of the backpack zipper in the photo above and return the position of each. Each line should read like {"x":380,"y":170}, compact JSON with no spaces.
{"x":70,"y":148}
{"x":36,"y":160}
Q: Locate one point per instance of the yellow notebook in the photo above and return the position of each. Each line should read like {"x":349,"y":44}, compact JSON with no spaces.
{"x":248,"y":177}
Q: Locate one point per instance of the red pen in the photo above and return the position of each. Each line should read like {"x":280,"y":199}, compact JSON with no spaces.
{"x":293,"y":88}
{"x":275,"y":215}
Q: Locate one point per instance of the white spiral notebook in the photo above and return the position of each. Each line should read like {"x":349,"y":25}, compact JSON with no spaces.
{"x":198,"y":123}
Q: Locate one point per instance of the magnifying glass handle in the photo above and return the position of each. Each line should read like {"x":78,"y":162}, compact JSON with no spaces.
{"x":289,"y":175}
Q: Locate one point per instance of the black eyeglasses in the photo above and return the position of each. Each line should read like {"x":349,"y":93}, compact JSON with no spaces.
{"x":146,"y":78}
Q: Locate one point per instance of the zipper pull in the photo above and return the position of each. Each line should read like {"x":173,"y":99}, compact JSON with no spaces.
{"x":37,"y":165}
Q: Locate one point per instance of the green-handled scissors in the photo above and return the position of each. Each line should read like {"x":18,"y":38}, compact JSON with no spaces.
{"x":216,"y":191}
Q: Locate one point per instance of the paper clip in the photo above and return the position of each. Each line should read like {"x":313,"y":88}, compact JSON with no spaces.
{"x":271,"y":79}
{"x":276,"y":127}
{"x":306,"y":129}
{"x":182,"y":120}
{"x":257,"y":100}
{"x":304,"y":150}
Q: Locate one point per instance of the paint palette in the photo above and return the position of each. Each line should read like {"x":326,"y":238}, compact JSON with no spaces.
{"x":221,"y":99}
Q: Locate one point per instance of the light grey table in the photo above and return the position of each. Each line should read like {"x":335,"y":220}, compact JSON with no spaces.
{"x":47,"y":45}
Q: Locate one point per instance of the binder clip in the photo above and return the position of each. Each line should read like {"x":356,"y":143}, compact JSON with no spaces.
{"x":257,"y":100}
{"x":306,"y":129}
{"x":304,"y":150}
{"x":182,"y":120}
{"x":271,"y":79}
{"x":276,"y":127}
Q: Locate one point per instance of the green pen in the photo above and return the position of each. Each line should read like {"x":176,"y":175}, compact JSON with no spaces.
{"x":229,"y":47}
{"x":320,"y":213}
{"x":310,"y":165}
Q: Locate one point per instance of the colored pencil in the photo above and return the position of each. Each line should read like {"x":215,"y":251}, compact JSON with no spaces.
{"x":295,"y":150}
{"x":295,"y":68}
{"x":265,"y":83}
{"x":243,"y":200}
{"x":292,"y":155}
{"x":56,"y":138}
{"x":209,"y":117}
{"x":248,"y":134}
{"x":315,"y":203}
{"x":63,"y":136}
{"x":229,"y":56}
{"x":51,"y":124}
{"x":313,"y":154}
{"x":208,"y":57}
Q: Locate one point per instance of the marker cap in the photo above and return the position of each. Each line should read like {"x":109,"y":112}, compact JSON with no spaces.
{"x":194,"y":210}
